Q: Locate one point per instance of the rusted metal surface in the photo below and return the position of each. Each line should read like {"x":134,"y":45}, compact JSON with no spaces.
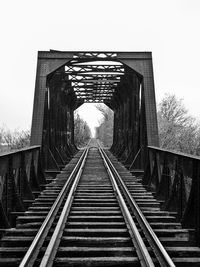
{"x":175,"y":178}
{"x":20,"y":175}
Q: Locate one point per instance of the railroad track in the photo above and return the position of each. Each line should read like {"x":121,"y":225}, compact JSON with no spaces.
{"x":92,"y":214}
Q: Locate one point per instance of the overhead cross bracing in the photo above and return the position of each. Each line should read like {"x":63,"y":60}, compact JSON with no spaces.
{"x":94,"y":81}
{"x":95,"y":77}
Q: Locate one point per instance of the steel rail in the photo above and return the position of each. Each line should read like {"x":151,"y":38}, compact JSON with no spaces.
{"x":141,"y":249}
{"x":53,"y":245}
{"x":160,"y":252}
{"x":37,"y":243}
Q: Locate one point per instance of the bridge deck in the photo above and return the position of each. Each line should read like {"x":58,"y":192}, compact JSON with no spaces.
{"x":96,"y":233}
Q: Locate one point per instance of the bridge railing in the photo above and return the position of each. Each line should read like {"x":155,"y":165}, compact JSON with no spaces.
{"x":21,"y":177}
{"x":175,"y":179}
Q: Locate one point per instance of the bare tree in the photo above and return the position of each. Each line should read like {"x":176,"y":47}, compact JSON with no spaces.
{"x":177,"y":129}
{"x":14,"y":140}
{"x":105,"y":130}
{"x":1,"y":135}
{"x":82,"y":132}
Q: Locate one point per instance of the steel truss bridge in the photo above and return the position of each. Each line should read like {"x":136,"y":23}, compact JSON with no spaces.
{"x":132,"y":205}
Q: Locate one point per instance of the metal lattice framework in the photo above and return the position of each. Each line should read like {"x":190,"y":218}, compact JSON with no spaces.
{"x":94,"y":81}
{"x":100,"y":55}
{"x":121,"y":80}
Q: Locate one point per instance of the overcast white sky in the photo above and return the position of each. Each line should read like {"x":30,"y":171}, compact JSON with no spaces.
{"x":168,"y":28}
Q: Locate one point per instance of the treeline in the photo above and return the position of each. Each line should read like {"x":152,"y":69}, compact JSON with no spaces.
{"x":104,"y":132}
{"x":82,"y":132}
{"x":177,"y":129}
{"x":11,"y":140}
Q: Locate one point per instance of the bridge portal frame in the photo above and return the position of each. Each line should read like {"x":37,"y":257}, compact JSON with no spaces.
{"x":50,"y":61}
